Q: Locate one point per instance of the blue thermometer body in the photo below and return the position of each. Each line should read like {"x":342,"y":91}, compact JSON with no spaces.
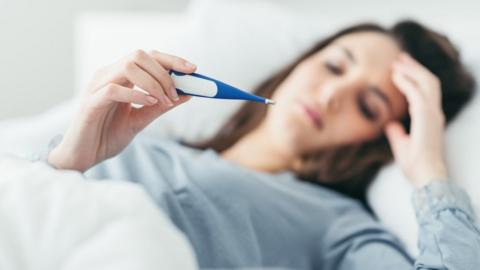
{"x":195,"y":84}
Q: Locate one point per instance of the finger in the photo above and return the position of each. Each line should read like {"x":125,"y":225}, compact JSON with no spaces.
{"x":397,"y":137}
{"x":407,"y":59}
{"x":152,"y":67}
{"x":407,"y":87}
{"x":428,"y":82}
{"x":143,"y":117}
{"x":145,"y":81}
{"x":411,"y":73}
{"x":113,"y":93}
{"x":413,"y":96}
{"x":172,"y":62}
{"x":421,"y":81}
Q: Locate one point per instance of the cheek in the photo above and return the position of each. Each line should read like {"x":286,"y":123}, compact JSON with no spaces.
{"x":302,"y":81}
{"x":358,"y":132}
{"x":288,"y":126}
{"x":350,"y":128}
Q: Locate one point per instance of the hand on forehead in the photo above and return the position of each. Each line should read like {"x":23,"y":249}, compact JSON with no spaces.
{"x":371,"y":56}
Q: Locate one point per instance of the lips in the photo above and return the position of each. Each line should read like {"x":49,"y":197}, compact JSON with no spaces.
{"x":313,"y":115}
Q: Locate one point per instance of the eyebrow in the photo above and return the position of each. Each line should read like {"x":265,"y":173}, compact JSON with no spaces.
{"x":383,"y":97}
{"x":374,"y":89}
{"x":349,"y":54}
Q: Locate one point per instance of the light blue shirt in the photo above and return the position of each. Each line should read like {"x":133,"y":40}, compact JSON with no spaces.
{"x":239,"y":218}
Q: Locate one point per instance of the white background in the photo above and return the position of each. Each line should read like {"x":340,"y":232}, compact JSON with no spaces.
{"x":37,"y":44}
{"x":36,"y":48}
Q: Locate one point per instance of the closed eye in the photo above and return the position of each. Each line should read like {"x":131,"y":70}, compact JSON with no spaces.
{"x":365,"y":109}
{"x":333,"y":68}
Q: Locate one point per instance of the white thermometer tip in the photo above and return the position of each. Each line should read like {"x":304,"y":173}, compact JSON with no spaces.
{"x":269,"y":101}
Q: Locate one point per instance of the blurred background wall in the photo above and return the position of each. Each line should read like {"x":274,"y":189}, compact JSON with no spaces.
{"x":36,"y":48}
{"x":37,"y":39}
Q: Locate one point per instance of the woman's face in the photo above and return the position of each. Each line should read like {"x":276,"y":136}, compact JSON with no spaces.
{"x":341,"y":95}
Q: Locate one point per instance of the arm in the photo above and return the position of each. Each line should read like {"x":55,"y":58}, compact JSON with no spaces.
{"x":449,"y":237}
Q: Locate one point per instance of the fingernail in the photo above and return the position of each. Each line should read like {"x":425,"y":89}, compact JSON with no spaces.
{"x":152,"y":100}
{"x":189,"y":65}
{"x":167,"y":101}
{"x":174,"y":93}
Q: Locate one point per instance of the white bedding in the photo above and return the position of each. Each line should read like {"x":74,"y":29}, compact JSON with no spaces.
{"x":59,"y":220}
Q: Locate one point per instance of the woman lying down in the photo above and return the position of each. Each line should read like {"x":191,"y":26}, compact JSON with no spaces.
{"x":284,"y":186}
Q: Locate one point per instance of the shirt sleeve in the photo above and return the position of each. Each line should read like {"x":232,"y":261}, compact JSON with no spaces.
{"x":43,"y":155}
{"x":449,"y":237}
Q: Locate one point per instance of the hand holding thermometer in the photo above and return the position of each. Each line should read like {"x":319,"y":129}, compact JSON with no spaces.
{"x":194,"y":84}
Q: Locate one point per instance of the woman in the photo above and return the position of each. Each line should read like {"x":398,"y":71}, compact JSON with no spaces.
{"x":240,"y":201}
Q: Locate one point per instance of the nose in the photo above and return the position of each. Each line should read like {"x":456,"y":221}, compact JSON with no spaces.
{"x":331,"y":96}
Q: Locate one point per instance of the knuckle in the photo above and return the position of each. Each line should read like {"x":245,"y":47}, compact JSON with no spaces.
{"x":129,"y":66}
{"x":139,"y":54}
{"x":154,"y":85}
{"x":153,"y":52}
{"x":165,"y":79}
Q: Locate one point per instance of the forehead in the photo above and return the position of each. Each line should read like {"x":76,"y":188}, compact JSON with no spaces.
{"x":372,"y":49}
{"x":374,"y":53}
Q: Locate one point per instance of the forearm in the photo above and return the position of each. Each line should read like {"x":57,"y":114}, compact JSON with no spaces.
{"x":448,"y":236}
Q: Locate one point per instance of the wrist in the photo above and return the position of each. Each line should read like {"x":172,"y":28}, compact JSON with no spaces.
{"x":64,"y":159}
{"x":426,"y":176}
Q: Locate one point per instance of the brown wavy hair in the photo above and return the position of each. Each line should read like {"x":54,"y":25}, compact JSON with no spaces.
{"x":350,"y":169}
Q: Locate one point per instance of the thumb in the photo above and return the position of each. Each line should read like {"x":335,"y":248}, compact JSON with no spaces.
{"x":397,"y":137}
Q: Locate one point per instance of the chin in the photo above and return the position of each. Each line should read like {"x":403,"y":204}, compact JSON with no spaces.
{"x":292,"y":129}
{"x":294,"y":137}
